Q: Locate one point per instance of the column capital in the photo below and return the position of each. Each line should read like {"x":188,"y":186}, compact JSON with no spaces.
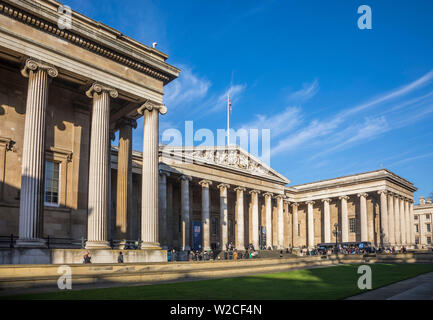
{"x":344,"y":198}
{"x":326,"y":200}
{"x":205,"y":183}
{"x":123,"y":122}
{"x":362,"y":194}
{"x":295,"y":204}
{"x":150,"y":106}
{"x":379,"y":192}
{"x":243,"y":189}
{"x":223,"y":185}
{"x":164,"y":173}
{"x":280,"y":196}
{"x":99,"y":88}
{"x":34,"y":64}
{"x":268,"y":194}
{"x":184,"y":177}
{"x":254,"y":191}
{"x":309,"y":202}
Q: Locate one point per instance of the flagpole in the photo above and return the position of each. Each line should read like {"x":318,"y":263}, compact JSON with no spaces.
{"x":228,"y":120}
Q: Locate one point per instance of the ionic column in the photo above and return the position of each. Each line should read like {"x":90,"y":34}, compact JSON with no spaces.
{"x":280,"y":214}
{"x":363,"y":215}
{"x":205,"y":213}
{"x":162,"y":208}
{"x":327,"y":220}
{"x":287,"y":223}
{"x":412,"y":224}
{"x":33,"y":156}
{"x":99,"y":166}
{"x":170,"y":215}
{"x":397,"y":220}
{"x":224,"y":214}
{"x":391,"y":219}
{"x":124,"y":179}
{"x":268,"y":214}
{"x":344,"y":219}
{"x":255,"y":217}
{"x":184,"y":212}
{"x":402,"y":221}
{"x":384,"y":233}
{"x":310,"y":224}
{"x":407,"y":220}
{"x":150,"y":175}
{"x":240,"y":236}
{"x":295,"y":223}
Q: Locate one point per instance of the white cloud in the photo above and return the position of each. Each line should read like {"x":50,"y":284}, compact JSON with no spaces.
{"x":314,"y":130}
{"x":185,"y":89}
{"x":278,"y":123}
{"x":234,"y":91}
{"x":345,"y":129}
{"x":308,"y":91}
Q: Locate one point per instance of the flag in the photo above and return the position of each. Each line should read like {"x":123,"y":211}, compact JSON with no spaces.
{"x":230,"y":104}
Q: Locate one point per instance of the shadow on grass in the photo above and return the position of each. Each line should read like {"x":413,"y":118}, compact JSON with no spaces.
{"x":337,"y":282}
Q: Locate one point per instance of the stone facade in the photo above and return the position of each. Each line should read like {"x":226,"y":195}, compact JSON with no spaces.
{"x":63,"y":93}
{"x":423,"y":215}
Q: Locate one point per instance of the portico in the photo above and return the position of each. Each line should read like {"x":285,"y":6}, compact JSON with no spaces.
{"x":123,"y":81}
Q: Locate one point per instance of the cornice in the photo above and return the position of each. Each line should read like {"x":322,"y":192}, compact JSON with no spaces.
{"x":43,"y":21}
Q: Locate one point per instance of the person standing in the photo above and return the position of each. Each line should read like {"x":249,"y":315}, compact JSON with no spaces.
{"x":120,"y":257}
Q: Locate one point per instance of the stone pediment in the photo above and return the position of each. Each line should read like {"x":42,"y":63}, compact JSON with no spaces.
{"x":232,"y":158}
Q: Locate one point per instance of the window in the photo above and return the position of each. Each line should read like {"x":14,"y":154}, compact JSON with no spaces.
{"x":428,"y":226}
{"x":428,"y":240}
{"x":416,"y":217}
{"x":214,"y":226}
{"x":416,"y":228}
{"x":416,"y":240}
{"x":352,"y":225}
{"x":52,"y":183}
{"x":299,"y":229}
{"x":427,"y":217}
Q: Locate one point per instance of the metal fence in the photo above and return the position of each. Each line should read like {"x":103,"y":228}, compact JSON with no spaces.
{"x":70,"y":243}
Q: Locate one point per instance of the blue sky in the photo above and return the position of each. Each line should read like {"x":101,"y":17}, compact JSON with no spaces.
{"x":338,"y":100}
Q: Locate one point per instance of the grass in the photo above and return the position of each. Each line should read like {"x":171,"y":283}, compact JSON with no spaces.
{"x":337,"y":282}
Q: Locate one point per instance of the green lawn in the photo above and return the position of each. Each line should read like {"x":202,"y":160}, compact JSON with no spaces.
{"x":321,"y":283}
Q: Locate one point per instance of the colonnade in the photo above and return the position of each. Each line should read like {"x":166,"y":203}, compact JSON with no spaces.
{"x":33,"y":163}
{"x":395,"y":217}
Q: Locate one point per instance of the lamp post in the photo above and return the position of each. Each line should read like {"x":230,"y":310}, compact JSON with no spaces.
{"x":336,"y":233}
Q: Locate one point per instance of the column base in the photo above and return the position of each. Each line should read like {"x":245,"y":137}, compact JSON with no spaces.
{"x":98,"y":245}
{"x":150,"y":245}
{"x":187,"y":248}
{"x":31,"y":243}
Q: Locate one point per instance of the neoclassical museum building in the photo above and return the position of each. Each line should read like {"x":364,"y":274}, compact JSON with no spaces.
{"x":64,"y":92}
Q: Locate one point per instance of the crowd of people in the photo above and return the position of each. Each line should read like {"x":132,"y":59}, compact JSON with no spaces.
{"x":231,"y":253}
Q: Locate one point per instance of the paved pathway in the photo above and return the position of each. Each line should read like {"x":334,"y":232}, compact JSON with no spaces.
{"x":418,"y":288}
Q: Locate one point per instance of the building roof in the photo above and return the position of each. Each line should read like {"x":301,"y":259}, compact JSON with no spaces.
{"x":356,"y":178}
